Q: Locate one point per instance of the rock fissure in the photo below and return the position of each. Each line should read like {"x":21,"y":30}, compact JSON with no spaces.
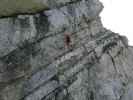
{"x":39,"y":62}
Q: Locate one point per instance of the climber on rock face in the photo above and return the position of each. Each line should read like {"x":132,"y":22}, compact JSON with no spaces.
{"x":67,"y":39}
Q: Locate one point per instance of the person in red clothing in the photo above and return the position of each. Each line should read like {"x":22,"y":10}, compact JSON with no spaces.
{"x":68,"y":41}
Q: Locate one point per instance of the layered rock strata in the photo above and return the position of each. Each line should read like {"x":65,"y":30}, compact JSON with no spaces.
{"x":59,"y":50}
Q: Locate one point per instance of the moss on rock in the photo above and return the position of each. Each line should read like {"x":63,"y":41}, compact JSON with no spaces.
{"x":9,"y":7}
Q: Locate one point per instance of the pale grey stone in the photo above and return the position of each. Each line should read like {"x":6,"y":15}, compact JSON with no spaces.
{"x":59,"y":50}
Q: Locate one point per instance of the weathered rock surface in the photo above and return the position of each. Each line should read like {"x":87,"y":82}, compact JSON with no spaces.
{"x":61,"y":53}
{"x":8,"y":7}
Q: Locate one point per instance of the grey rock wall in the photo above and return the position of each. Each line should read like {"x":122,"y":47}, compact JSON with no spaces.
{"x":61,"y":52}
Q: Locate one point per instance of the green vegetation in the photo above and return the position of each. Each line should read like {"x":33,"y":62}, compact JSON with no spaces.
{"x":8,"y":7}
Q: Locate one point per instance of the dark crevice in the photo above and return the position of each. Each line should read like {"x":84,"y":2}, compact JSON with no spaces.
{"x":124,"y":90}
{"x":109,"y":46}
{"x":42,"y":25}
{"x":113,"y":61}
{"x":91,"y":95}
{"x":120,"y":52}
{"x":60,"y":89}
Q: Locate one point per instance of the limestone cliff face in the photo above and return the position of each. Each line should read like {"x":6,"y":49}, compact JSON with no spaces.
{"x":61,"y":51}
